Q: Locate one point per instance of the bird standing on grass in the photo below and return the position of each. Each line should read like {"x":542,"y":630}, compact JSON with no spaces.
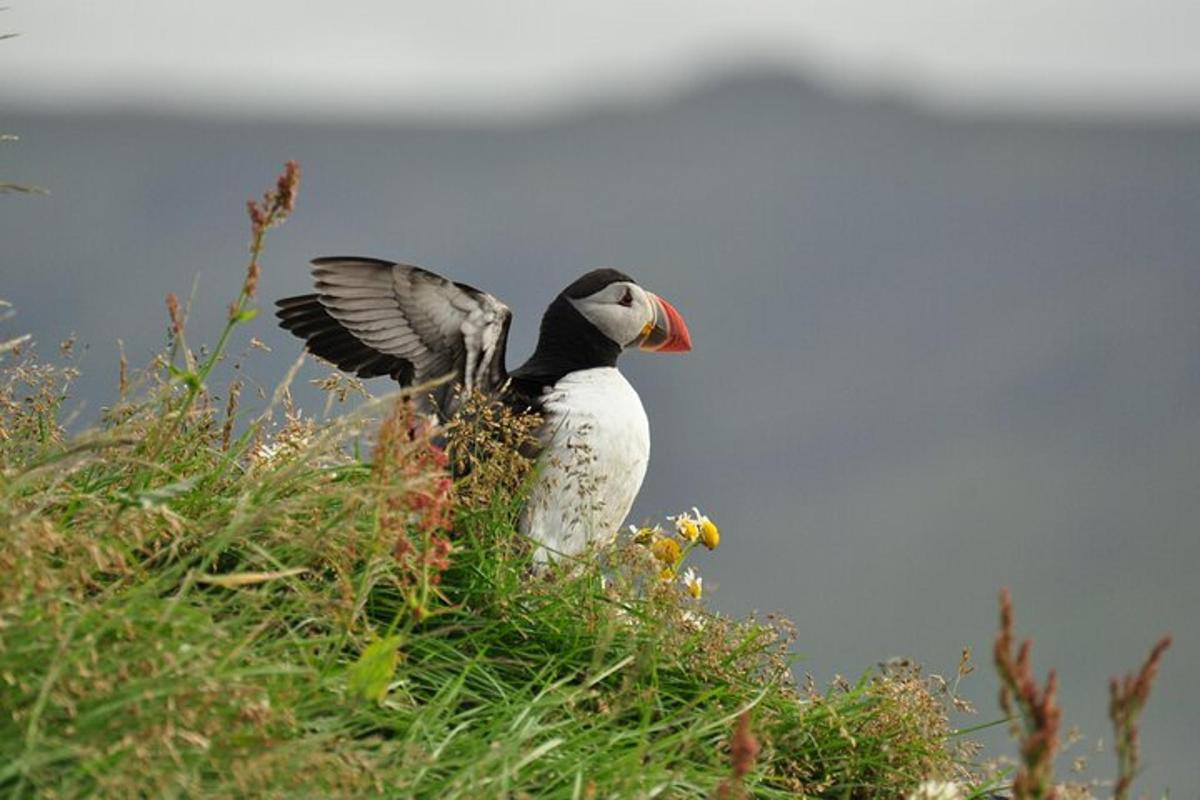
{"x":378,"y":318}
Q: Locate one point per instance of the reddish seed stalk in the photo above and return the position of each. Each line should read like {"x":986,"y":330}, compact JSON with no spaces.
{"x":417,"y":507}
{"x":272,"y":210}
{"x":743,"y":752}
{"x":1127,"y":698}
{"x":174,"y":312}
{"x":1034,"y":711}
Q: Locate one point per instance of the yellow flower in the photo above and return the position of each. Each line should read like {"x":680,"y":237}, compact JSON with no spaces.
{"x":667,"y":575}
{"x":710,"y":537}
{"x":667,"y":551}
{"x":686,"y":527}
{"x":693,"y":582}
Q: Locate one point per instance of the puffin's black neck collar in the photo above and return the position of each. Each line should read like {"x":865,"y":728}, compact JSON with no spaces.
{"x":567,"y":343}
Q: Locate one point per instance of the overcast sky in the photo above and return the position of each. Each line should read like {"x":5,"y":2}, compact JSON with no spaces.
{"x":387,"y":57}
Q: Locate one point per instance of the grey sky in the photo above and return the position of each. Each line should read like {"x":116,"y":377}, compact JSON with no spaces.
{"x":384,"y":57}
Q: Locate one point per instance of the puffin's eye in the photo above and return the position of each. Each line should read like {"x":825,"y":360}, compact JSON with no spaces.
{"x":627,"y":298}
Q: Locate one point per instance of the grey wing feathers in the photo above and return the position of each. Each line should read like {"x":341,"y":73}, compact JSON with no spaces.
{"x":415,"y":324}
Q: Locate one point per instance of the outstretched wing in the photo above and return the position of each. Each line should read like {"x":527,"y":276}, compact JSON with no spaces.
{"x":373,"y":318}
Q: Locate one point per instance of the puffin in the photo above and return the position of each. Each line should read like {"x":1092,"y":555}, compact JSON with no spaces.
{"x":374,"y":318}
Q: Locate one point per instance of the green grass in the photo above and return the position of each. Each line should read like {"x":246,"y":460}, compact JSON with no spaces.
{"x":198,"y":602}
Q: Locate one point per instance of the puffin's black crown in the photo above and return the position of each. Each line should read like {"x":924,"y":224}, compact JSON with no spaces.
{"x":594,"y":281}
{"x":567,"y":341}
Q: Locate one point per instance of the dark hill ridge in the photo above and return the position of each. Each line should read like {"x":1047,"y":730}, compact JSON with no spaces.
{"x":934,"y":355}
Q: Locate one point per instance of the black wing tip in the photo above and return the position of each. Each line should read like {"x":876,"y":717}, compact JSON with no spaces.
{"x":293,"y":312}
{"x":297,"y":300}
{"x":328,"y":261}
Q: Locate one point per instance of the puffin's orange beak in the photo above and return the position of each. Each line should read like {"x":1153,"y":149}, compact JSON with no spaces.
{"x":668,"y":332}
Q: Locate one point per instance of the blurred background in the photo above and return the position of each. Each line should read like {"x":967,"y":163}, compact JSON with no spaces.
{"x":940,"y":260}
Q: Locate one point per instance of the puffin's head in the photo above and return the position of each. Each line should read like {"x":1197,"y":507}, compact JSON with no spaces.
{"x":628,"y":314}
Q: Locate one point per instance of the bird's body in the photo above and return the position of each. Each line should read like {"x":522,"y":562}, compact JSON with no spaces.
{"x":596,"y":447}
{"x":378,"y":318}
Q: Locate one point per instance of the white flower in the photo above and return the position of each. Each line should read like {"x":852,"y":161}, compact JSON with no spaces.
{"x":693,"y":582}
{"x":686,"y":527}
{"x":265,"y":453}
{"x":937,"y":790}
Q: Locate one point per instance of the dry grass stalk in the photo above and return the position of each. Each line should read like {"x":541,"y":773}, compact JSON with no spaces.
{"x":489,"y":446}
{"x":235,"y":390}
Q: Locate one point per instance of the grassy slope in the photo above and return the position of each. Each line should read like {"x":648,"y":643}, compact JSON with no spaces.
{"x":189,"y":611}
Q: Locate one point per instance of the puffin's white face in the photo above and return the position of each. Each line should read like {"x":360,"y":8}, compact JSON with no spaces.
{"x":622,"y":311}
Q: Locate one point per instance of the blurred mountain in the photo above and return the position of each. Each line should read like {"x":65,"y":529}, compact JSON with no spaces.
{"x":934,"y":355}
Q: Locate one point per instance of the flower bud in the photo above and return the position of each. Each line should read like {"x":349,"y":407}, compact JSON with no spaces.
{"x":667,"y":551}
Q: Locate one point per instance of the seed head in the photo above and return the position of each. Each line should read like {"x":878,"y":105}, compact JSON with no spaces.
{"x":646,"y":534}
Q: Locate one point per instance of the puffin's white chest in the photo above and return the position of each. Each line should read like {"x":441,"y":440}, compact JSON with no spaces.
{"x":596,"y":448}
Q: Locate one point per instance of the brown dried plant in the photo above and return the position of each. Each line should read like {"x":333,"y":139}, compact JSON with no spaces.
{"x":1127,"y":698}
{"x":1034,"y":711}
{"x":489,"y":446}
